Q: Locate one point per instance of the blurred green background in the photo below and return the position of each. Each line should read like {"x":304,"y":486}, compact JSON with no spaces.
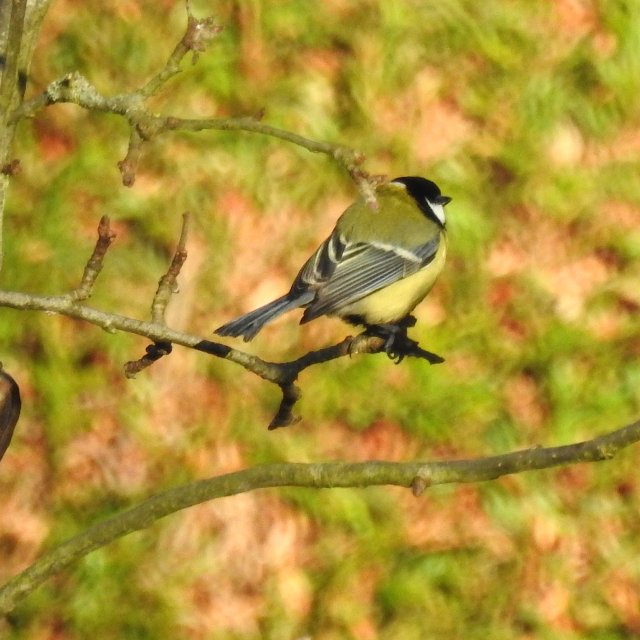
{"x":527,"y":114}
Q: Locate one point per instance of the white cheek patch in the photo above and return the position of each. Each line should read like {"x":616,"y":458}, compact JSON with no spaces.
{"x":438,"y":210}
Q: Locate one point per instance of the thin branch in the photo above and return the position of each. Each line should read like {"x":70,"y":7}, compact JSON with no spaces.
{"x":153,"y":353}
{"x":74,"y":88}
{"x":350,"y":159}
{"x":128,"y":166}
{"x":167,"y":286}
{"x":274,"y":372}
{"x":197,"y":37}
{"x":94,"y":264}
{"x":284,"y":415}
{"x":415,"y":475}
{"x":168,"y":283}
{"x":66,"y":305}
{"x":282,"y":374}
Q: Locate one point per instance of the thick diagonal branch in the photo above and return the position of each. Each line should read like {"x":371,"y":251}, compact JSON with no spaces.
{"x":414,"y":475}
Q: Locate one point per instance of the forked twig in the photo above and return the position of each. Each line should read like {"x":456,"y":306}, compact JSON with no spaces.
{"x":145,"y":125}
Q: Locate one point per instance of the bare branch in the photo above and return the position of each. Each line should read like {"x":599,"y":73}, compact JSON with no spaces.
{"x":284,"y":415}
{"x":153,"y":353}
{"x":168,"y":284}
{"x":94,"y":264}
{"x":349,"y":159}
{"x":415,"y":475}
{"x":286,"y":373}
{"x":197,"y":37}
{"x":283,"y":374}
{"x":278,"y":373}
{"x":128,"y":166}
{"x":76,"y":89}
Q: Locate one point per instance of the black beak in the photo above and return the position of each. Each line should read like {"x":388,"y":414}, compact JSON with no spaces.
{"x":443,"y":200}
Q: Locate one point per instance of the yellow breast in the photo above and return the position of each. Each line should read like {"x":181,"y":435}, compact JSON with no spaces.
{"x":394,"y":302}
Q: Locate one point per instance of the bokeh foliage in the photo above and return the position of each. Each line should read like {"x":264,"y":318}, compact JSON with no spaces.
{"x":527,"y":115}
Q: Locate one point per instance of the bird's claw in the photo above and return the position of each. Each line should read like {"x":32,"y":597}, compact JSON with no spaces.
{"x":398,"y":345}
{"x":397,"y":355}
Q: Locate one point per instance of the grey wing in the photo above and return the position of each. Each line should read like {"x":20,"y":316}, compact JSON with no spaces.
{"x":362,"y":269}
{"x":319,"y":268}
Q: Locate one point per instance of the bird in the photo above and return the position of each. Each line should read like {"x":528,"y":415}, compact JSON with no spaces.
{"x":375,"y":267}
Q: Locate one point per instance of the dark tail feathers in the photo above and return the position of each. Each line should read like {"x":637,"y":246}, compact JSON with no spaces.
{"x":250,"y":323}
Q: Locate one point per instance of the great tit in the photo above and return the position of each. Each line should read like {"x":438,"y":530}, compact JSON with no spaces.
{"x":373,"y":269}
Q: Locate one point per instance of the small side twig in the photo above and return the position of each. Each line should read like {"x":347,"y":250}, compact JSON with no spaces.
{"x":94,"y":264}
{"x":167,"y":286}
{"x":153,"y":353}
{"x":284,"y":415}
{"x":168,"y":283}
{"x":128,"y":166}
{"x":200,"y":32}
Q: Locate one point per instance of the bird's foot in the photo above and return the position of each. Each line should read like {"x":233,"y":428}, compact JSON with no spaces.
{"x":397,"y":343}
